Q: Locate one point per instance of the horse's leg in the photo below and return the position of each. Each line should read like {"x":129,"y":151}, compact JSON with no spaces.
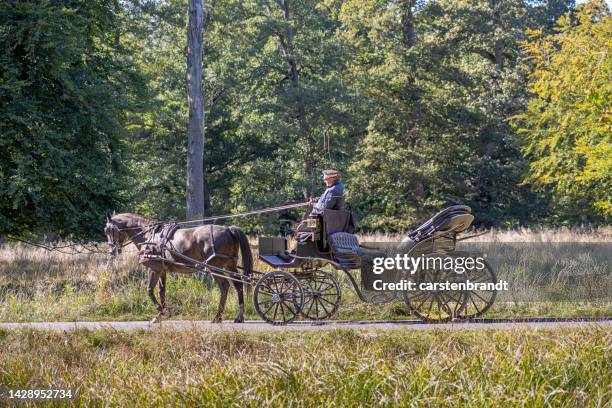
{"x":240,"y":316}
{"x":152,"y":282}
{"x":162,"y":294}
{"x":224,"y":287}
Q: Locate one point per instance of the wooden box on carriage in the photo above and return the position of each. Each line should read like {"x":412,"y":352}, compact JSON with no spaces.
{"x":272,"y":245}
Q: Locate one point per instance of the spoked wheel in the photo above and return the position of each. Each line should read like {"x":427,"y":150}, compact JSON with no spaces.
{"x":429,"y":303}
{"x":477,"y":302}
{"x":321,"y":295}
{"x":278,"y":297}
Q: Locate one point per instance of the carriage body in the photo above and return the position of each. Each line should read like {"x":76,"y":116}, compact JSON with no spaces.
{"x":315,"y":293}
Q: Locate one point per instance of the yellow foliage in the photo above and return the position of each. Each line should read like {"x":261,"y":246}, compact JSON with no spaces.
{"x":567,"y":131}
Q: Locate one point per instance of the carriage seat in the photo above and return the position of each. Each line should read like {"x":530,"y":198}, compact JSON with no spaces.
{"x":338,"y":221}
{"x":345,"y":249}
{"x":339,"y":228}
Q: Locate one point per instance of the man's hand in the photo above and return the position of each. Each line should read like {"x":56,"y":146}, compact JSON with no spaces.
{"x":313,"y":200}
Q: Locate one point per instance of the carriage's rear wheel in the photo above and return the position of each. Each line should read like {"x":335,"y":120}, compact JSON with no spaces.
{"x":477,"y":302}
{"x":321,"y":295}
{"x":428,"y":303}
{"x":278,"y":297}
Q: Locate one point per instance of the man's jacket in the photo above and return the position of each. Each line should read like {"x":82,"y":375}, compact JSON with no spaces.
{"x":332,"y":198}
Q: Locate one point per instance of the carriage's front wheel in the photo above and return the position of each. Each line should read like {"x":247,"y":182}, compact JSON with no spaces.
{"x":278,"y":297}
{"x":322,"y":295}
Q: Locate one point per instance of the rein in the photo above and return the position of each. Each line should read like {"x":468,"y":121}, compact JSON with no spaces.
{"x":76,"y":249}
{"x":247,"y":213}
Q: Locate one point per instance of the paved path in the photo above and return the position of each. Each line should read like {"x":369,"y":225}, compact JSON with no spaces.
{"x":253,"y":325}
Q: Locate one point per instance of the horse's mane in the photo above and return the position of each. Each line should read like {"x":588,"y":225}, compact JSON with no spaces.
{"x":135,"y":218}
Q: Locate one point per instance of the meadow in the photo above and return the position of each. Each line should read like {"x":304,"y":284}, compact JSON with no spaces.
{"x":37,"y":285}
{"x":436,"y":368}
{"x":335,"y":367}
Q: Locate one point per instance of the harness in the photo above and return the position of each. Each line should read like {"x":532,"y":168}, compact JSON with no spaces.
{"x":162,"y":252}
{"x":156,"y":251}
{"x":166,"y":234}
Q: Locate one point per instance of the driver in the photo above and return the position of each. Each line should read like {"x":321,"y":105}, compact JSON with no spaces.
{"x":331,"y":199}
{"x":333,"y":196}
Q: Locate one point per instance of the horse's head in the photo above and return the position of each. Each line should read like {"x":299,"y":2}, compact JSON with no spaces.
{"x":115,"y":237}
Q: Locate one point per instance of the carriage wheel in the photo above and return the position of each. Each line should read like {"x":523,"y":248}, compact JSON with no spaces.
{"x":477,"y":302}
{"x":321,"y":295}
{"x":434,"y":305}
{"x":278,"y":297}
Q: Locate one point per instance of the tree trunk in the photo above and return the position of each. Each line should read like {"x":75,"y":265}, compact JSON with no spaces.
{"x":499,"y":54}
{"x":411,"y":119}
{"x":408,"y":32}
{"x":195,"y":146}
{"x":499,"y":42}
{"x":286,"y":42}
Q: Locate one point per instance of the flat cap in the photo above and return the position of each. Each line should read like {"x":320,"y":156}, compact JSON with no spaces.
{"x":329,"y":173}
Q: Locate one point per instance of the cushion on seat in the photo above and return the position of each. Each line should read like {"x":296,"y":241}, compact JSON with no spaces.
{"x":345,"y":249}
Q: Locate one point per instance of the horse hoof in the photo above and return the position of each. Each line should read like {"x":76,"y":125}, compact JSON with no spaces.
{"x":156,"y":319}
{"x":217,"y":320}
{"x":239,"y":320}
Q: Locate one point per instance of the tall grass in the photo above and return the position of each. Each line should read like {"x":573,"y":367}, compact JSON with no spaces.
{"x":37,"y":285}
{"x":494,"y":368}
{"x":601,"y":234}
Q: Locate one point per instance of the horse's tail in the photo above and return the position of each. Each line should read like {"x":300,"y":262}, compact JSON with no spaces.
{"x":245,"y":250}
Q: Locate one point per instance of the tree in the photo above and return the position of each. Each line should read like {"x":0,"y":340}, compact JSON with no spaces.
{"x":277,"y":85}
{"x":409,"y":99}
{"x":67,"y":86}
{"x":257,"y":141}
{"x":567,"y":135}
{"x":444,"y":77}
{"x":196,"y":207}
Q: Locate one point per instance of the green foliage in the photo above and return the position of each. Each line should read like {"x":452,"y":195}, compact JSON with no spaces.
{"x":254,"y":152}
{"x":409,"y":99}
{"x":64,"y":92}
{"x":566,"y":127}
{"x":437,"y":131}
{"x":270,"y":143}
{"x":155,"y":34}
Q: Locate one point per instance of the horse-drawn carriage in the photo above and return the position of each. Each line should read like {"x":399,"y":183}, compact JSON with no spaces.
{"x":300,"y":285}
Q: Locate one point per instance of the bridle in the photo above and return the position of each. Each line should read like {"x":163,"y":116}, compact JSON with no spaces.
{"x":114,"y":235}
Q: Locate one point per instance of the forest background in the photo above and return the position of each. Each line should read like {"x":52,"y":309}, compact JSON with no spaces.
{"x":502,"y":105}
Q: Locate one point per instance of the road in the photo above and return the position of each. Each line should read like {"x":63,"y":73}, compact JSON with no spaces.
{"x":255,"y":325}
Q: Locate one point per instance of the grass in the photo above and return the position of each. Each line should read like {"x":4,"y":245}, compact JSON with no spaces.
{"x":36,"y":285}
{"x":496,"y":368}
{"x":164,"y":368}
